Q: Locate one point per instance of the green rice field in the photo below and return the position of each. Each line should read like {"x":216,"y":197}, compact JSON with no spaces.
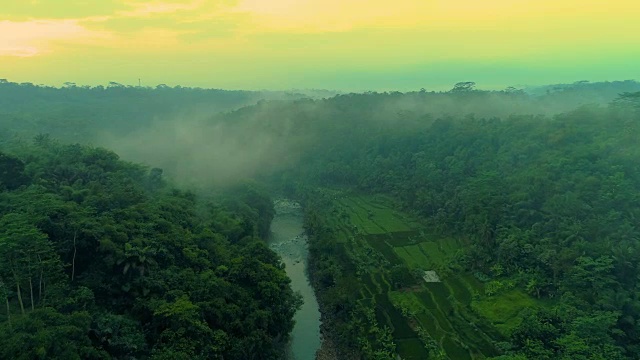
{"x":464,"y":324}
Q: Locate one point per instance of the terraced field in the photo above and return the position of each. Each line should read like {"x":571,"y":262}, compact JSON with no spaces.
{"x":379,"y":237}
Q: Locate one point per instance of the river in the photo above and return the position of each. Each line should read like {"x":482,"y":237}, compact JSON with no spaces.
{"x":290,"y":242}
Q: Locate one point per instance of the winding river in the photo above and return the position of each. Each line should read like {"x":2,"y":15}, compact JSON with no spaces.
{"x":288,"y":240}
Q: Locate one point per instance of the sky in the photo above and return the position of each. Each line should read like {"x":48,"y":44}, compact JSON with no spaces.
{"x":349,"y":45}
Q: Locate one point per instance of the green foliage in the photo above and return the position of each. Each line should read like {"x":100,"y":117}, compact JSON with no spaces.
{"x":567,"y":335}
{"x":504,"y":309}
{"x":11,"y":172}
{"x":101,"y":259}
{"x":47,"y":334}
{"x":407,"y":303}
{"x":120,"y":336}
{"x":538,"y":194}
{"x":77,"y":113}
{"x":545,"y":207}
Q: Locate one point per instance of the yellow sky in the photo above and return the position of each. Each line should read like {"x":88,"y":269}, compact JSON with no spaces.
{"x":337,"y":44}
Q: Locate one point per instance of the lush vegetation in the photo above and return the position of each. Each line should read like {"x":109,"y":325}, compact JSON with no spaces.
{"x":523,"y":203}
{"x":100,"y":258}
{"x":83,"y":113}
{"x":544,"y":206}
{"x":368,"y":263}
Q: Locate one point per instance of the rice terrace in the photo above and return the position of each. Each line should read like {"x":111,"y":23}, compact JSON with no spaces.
{"x":411,"y":279}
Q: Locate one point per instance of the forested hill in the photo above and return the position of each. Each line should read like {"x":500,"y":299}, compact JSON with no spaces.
{"x":198,"y":135}
{"x":81,"y":113}
{"x":545,"y":204}
{"x":539,"y":192}
{"x":85,"y":114}
{"x":101,"y":259}
{"x":598,"y":91}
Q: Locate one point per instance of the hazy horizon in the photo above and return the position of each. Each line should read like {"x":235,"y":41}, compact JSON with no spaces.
{"x":427,"y":87}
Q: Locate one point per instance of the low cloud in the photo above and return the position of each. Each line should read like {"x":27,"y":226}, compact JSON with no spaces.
{"x":35,"y":37}
{"x":201,"y":152}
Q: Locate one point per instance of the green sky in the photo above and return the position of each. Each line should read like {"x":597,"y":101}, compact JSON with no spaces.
{"x":330,"y":44}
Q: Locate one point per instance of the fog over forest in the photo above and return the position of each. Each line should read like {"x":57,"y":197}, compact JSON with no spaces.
{"x":319,"y":180}
{"x":136,"y":223}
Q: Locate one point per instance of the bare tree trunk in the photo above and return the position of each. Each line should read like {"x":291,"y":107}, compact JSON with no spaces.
{"x":44,"y":292}
{"x":40,"y":281}
{"x":31,"y":290}
{"x":20,"y":297}
{"x":15,"y":277}
{"x":73,"y":261}
{"x":8,"y":311}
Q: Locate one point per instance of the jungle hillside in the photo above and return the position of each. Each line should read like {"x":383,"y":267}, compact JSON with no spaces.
{"x":457,"y":224}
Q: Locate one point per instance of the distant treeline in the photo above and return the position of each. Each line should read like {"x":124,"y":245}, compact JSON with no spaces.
{"x":78,"y":113}
{"x":83,"y":113}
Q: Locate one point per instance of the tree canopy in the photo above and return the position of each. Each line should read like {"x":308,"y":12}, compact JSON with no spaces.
{"x":100,"y":258}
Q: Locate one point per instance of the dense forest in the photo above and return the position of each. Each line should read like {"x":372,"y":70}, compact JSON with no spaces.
{"x":524,"y":201}
{"x":75,"y":113}
{"x":546,"y":204}
{"x":102,"y":259}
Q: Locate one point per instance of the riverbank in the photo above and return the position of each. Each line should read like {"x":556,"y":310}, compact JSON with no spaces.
{"x":328,"y":349}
